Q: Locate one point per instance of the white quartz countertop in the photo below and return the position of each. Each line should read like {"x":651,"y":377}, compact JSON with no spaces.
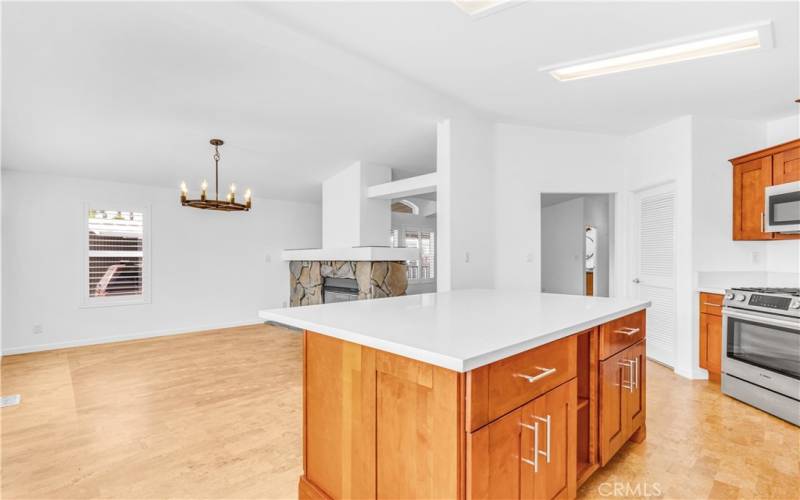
{"x":459,"y":330}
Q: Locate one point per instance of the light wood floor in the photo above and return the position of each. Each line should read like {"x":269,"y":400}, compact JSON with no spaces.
{"x":218,"y":415}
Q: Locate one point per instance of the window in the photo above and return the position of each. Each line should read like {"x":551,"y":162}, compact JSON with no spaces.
{"x":116,"y":259}
{"x":424,"y":267}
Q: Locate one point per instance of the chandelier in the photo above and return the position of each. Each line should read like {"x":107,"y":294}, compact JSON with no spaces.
{"x":229,"y":204}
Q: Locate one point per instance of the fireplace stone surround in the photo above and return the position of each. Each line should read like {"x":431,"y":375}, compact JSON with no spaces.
{"x":375,"y":279}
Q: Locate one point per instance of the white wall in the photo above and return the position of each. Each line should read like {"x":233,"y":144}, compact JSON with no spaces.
{"x":349,"y":218}
{"x":563,"y":247}
{"x":783,"y":130}
{"x":209,"y":268}
{"x":530,"y":161}
{"x":714,"y":141}
{"x":659,"y":155}
{"x":465,"y":203}
{"x":341,"y":204}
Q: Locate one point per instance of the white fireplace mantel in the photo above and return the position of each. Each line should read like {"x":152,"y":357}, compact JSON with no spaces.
{"x":351,"y":254}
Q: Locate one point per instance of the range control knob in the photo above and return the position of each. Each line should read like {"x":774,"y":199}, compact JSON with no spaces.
{"x":795,"y":304}
{"x":740,"y":297}
{"x":729,"y":295}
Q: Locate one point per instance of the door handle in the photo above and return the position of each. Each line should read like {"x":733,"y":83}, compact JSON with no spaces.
{"x":628,"y":330}
{"x":535,"y":462}
{"x":546,"y":453}
{"x":629,"y":365}
{"x":533,"y":378}
{"x":636,"y":280}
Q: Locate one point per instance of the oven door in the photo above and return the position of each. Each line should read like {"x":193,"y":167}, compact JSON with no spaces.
{"x":763,"y":349}
{"x":782,"y":207}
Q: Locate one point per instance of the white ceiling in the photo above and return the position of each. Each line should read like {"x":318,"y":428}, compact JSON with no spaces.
{"x":493,"y":62}
{"x":133,"y":91}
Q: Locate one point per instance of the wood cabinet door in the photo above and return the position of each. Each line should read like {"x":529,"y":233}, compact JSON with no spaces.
{"x":339,"y":416}
{"x":622,"y":398}
{"x":556,"y":414}
{"x":613,"y":375}
{"x":749,"y":181}
{"x":713,"y":328}
{"x":418,"y":429}
{"x":704,"y":340}
{"x":634,"y":404}
{"x":786,"y":166}
{"x":503,"y":462}
{"x":497,"y":454}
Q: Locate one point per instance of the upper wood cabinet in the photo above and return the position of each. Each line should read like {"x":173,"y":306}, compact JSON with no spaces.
{"x":786,"y":166}
{"x":752,"y":173}
{"x":749,"y":181}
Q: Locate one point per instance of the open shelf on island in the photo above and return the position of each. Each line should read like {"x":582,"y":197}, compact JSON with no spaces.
{"x":588,"y":456}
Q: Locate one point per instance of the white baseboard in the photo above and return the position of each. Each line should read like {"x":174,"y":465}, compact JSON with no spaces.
{"x":692,"y":373}
{"x":120,"y":338}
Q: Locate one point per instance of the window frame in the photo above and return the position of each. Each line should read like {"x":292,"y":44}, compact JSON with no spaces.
{"x":402,"y":243}
{"x":86,"y":300}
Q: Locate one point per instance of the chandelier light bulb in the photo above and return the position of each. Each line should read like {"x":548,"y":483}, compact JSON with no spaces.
{"x":233,"y":188}
{"x":204,"y":185}
{"x":247,"y":194}
{"x":184,"y":189}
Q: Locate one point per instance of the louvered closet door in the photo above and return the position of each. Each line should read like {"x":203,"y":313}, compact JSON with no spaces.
{"x":654,"y":268}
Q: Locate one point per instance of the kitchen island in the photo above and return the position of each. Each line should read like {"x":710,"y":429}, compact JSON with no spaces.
{"x":467,"y":394}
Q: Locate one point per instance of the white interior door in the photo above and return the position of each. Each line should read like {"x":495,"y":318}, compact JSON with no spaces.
{"x":654,"y":267}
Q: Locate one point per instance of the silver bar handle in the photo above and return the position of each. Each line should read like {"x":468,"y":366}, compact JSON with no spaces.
{"x":629,"y":365}
{"x":789,"y":323}
{"x":535,"y":461}
{"x":635,"y":372}
{"x":546,"y":453}
{"x":628,"y":330}
{"x":712,"y":305}
{"x":546,"y":372}
{"x":762,"y":222}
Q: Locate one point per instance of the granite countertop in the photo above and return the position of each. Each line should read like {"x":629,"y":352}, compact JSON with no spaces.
{"x":459,"y":330}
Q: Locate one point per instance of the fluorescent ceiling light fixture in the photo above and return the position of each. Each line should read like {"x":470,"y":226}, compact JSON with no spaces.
{"x":481,"y":8}
{"x":713,"y":44}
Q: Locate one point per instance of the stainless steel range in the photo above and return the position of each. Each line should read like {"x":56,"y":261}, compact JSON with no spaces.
{"x":761,"y":349}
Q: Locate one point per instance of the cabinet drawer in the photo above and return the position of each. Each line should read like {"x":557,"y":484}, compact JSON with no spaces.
{"x":623,"y":332}
{"x":496,"y":389}
{"x":711,"y":303}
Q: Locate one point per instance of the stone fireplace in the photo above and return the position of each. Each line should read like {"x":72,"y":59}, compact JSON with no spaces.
{"x":355,"y":255}
{"x":375,"y":279}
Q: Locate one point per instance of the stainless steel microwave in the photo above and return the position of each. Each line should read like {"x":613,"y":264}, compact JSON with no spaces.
{"x":782,"y":208}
